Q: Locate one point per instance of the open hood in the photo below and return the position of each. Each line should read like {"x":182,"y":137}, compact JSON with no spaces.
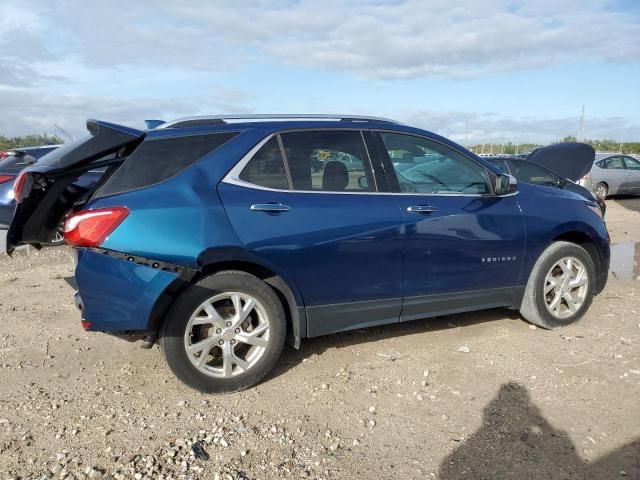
{"x":567,"y":160}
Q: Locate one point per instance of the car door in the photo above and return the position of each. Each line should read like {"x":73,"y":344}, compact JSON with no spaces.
{"x":615,"y":175}
{"x":464,"y":245}
{"x":305,"y":203}
{"x":633,"y":174}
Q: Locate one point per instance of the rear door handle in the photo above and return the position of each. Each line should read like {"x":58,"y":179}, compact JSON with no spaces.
{"x":270,"y":207}
{"x":422,"y":209}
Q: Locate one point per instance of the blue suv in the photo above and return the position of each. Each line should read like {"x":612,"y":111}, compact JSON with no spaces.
{"x":225,"y":237}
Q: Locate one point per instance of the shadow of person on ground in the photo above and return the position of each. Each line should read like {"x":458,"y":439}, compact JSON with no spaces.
{"x":517,"y":442}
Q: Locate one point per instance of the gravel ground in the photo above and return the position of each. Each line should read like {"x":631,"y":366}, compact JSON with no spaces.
{"x":477,"y":396}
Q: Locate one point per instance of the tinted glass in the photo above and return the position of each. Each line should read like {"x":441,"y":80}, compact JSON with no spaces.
{"x":15,"y":163}
{"x":423,"y":166}
{"x":632,"y":163}
{"x":614,"y":162}
{"x":266,"y":168}
{"x":327,"y":160}
{"x":500,"y":165}
{"x":531,"y":173}
{"x":56,"y":158}
{"x":157,"y":160}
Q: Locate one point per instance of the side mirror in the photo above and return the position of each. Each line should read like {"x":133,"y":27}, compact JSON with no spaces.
{"x":363,"y":183}
{"x":505,"y":184}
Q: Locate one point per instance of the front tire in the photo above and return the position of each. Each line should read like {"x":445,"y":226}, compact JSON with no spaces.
{"x":561,"y":286}
{"x":602,"y":190}
{"x":224,"y":333}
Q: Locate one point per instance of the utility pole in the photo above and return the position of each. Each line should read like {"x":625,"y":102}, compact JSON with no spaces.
{"x":466,"y":121}
{"x":581,"y":125}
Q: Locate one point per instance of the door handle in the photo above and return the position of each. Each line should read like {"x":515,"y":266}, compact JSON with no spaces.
{"x":270,"y":207}
{"x":422,"y":209}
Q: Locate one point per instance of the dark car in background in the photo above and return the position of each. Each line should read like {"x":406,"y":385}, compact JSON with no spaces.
{"x":560,"y":165}
{"x":10,"y":167}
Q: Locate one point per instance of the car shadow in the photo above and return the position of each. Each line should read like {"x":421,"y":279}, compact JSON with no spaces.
{"x":318,"y":345}
{"x":627,"y":201}
{"x":517,"y":442}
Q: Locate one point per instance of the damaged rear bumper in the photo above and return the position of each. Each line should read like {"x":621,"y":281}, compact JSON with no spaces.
{"x":117,"y":293}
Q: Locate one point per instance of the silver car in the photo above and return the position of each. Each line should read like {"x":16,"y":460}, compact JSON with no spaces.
{"x":613,"y":175}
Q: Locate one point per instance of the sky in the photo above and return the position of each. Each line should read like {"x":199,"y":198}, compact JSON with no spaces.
{"x":472,"y":70}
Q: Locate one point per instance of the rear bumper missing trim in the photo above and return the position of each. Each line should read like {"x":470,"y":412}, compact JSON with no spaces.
{"x":117,"y":293}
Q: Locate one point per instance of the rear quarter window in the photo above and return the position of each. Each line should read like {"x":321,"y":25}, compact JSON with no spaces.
{"x":155,"y":161}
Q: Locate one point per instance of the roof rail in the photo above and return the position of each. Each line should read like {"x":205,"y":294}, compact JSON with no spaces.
{"x":220,"y":119}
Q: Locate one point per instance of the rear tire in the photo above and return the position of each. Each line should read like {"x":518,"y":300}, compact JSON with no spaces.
{"x":602,"y":190}
{"x":224,"y":333}
{"x":560,"y":288}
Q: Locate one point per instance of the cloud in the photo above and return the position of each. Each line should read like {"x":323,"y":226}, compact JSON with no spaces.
{"x":154,"y":59}
{"x":25,"y":111}
{"x":475,"y":128}
{"x":368,"y":38}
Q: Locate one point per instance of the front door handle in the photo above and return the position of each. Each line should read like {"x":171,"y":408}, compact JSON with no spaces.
{"x":270,"y":207}
{"x":422,"y":209}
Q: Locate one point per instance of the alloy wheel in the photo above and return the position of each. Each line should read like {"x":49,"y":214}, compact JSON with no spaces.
{"x":227,"y":334}
{"x":566,"y":287}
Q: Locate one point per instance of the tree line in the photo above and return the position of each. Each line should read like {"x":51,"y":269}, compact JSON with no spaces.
{"x":38,"y":139}
{"x":33,"y":140}
{"x":510,"y":148}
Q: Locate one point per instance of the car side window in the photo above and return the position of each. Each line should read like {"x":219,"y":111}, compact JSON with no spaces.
{"x":501,"y":165}
{"x":531,"y":173}
{"x":614,"y":163}
{"x":425,"y":166}
{"x":266,"y":168}
{"x":632,"y":163}
{"x":333,"y":161}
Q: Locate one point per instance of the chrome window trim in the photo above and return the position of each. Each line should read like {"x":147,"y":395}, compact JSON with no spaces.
{"x":233,"y":176}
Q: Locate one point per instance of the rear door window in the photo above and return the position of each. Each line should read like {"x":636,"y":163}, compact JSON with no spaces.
{"x":157,"y":160}
{"x":332,"y":160}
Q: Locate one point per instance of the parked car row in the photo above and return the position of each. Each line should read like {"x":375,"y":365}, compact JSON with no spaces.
{"x":222,"y":237}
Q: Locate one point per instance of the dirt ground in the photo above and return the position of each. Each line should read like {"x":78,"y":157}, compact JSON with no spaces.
{"x":477,"y":396}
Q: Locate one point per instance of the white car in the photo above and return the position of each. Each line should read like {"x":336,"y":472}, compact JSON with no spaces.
{"x":614,"y":174}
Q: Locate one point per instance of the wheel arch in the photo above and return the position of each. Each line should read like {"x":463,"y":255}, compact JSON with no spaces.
{"x":217,"y":260}
{"x":585,"y":241}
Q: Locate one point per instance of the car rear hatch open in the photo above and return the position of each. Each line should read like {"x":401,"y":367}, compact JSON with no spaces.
{"x":46,"y":191}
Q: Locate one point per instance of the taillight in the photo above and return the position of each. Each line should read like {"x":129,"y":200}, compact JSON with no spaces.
{"x":6,"y":178}
{"x":19,"y":186}
{"x":89,"y":228}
